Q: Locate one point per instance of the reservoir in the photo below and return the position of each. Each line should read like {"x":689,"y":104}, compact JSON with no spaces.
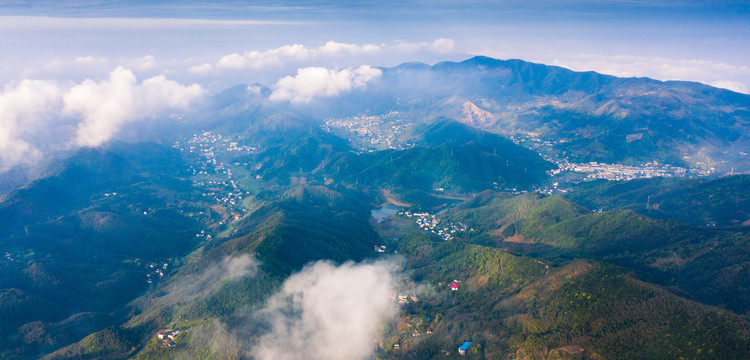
{"x":382,"y":213}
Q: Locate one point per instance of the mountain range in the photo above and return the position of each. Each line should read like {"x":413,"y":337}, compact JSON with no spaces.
{"x":200,"y":235}
{"x":585,"y":115}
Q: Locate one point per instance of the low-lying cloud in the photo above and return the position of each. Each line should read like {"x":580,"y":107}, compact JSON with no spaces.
{"x":735,"y":86}
{"x":208,"y":281}
{"x":85,"y":114}
{"x":312,"y":82}
{"x":328,"y":312}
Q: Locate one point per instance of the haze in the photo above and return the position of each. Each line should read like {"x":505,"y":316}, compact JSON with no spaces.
{"x":75,"y":73}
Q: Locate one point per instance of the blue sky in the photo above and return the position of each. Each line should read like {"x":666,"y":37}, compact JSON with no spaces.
{"x":78,"y":71}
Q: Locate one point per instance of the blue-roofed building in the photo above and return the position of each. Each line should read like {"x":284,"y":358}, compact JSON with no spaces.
{"x":462,"y":349}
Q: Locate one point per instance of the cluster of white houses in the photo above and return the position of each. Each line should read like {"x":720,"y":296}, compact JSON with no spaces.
{"x":404,"y":299}
{"x":168,"y":338}
{"x":155,"y":271}
{"x":595,"y":170}
{"x":432,"y":224}
{"x":212,"y":174}
{"x":372,"y":131}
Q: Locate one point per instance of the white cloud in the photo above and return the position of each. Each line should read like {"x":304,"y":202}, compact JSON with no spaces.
{"x":258,"y":60}
{"x":233,"y":61}
{"x":328,"y":312}
{"x":336,"y":48}
{"x":439,"y":46}
{"x":143,"y":64}
{"x":731,"y":85}
{"x":201,"y":69}
{"x":312,"y":82}
{"x":203,"y":283}
{"x":442,"y":46}
{"x":254,"y":89}
{"x":89,"y":60}
{"x":105,"y":106}
{"x":24,"y":108}
{"x":210,"y":279}
{"x":277,"y":57}
{"x":55,"y":65}
{"x":708,"y":72}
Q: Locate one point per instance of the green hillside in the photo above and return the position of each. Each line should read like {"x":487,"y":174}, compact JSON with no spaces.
{"x":512,"y":306}
{"x":76,"y":243}
{"x":289,"y":229}
{"x":707,"y":265}
{"x":463,"y":168}
{"x":295,"y":151}
{"x":300,"y":225}
{"x":720,"y":202}
{"x":469,"y":160}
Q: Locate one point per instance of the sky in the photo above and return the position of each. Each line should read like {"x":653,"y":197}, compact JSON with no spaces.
{"x":81,"y":69}
{"x":193,"y":41}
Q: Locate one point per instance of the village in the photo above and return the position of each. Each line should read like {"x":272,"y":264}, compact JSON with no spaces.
{"x":595,"y":170}
{"x":168,"y":337}
{"x":419,"y":325}
{"x":432,"y":224}
{"x":371,"y":132}
{"x":156,"y":272}
{"x":552,"y":189}
{"x":216,"y":177}
{"x":380,"y":132}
